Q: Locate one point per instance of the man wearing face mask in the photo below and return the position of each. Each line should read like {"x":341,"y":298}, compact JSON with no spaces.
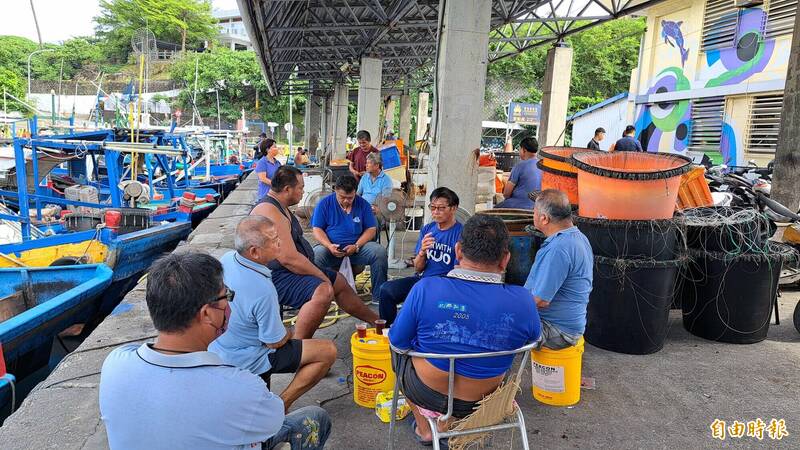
{"x":174,"y":394}
{"x":256,"y":339}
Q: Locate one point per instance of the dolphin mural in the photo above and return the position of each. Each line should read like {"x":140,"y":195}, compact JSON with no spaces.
{"x":671,"y":32}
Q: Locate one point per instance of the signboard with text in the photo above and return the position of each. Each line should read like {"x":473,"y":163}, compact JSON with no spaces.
{"x":524,"y":113}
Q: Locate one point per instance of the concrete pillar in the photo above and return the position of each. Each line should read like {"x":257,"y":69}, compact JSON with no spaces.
{"x":786,"y":184}
{"x":389,"y":115}
{"x":555,"y":95}
{"x":369,"y":97}
{"x":405,"y":119}
{"x":339,"y":121}
{"x":458,"y":110}
{"x":312,"y":122}
{"x":422,"y":115}
{"x":325,"y":133}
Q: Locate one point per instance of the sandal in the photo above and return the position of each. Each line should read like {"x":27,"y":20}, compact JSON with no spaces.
{"x":413,"y":424}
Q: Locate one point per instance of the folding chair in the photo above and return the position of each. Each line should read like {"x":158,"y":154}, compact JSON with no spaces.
{"x":519,"y":423}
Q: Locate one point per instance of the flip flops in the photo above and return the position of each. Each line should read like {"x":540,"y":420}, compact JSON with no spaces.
{"x":412,"y":423}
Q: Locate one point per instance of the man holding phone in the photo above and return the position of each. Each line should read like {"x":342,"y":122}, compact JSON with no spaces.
{"x":344,"y":226}
{"x":435,"y":252}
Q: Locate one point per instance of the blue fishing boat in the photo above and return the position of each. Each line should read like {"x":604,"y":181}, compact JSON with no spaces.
{"x":37,"y":303}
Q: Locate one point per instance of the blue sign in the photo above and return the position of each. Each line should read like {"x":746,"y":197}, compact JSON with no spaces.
{"x":524,"y":113}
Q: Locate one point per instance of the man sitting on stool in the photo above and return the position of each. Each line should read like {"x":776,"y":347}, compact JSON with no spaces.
{"x":174,"y":394}
{"x":256,"y":339}
{"x":468,"y":311}
{"x":375,"y":182}
{"x":435,"y":252}
{"x":345,"y":226}
{"x":561,"y":277}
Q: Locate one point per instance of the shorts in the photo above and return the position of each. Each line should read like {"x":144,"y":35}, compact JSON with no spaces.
{"x":295,"y":290}
{"x":285,"y":359}
{"x":421,"y":395}
{"x":555,"y":339}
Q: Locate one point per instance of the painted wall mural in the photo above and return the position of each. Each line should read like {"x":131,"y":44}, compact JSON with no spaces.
{"x":667,"y":126}
{"x":749,"y":56}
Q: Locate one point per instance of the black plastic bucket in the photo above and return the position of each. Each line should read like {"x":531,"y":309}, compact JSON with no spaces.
{"x":661,"y":240}
{"x":730,"y":298}
{"x":523,"y":247}
{"x":727,"y":229}
{"x":133,"y":219}
{"x":629,"y":305}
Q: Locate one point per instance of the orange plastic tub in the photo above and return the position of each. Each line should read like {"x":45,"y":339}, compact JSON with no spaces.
{"x":566,"y":182}
{"x":694,"y":191}
{"x":558,"y":172}
{"x":629,"y":185}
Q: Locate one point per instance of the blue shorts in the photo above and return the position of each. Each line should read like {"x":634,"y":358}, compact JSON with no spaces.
{"x":295,"y":290}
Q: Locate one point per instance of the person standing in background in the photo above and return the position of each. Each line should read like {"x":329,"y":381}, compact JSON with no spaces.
{"x":358,"y":157}
{"x":266,"y":166}
{"x":627,"y":143}
{"x":599,"y":135}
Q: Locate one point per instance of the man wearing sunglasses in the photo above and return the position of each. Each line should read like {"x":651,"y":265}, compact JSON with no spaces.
{"x":256,"y":339}
{"x":174,"y":393}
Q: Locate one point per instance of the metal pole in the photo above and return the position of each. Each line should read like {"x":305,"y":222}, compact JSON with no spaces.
{"x":29,"y":64}
{"x":219,"y":119}
{"x":194,"y":96}
{"x":60,"y":78}
{"x":53,"y":107}
{"x":290,"y":132}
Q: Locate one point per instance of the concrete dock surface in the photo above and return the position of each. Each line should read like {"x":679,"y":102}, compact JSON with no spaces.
{"x":665,"y":400}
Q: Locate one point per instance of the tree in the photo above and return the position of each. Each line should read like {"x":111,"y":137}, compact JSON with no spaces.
{"x":14,"y":51}
{"x":603,"y":57}
{"x":238,"y":76}
{"x":187,"y":21}
{"x":13,"y":84}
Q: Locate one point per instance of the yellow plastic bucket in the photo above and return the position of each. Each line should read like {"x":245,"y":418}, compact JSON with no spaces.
{"x":372,"y":367}
{"x":557,"y":375}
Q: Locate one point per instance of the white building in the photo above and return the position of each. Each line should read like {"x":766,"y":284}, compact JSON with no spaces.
{"x":232,"y":33}
{"x":611,"y":114}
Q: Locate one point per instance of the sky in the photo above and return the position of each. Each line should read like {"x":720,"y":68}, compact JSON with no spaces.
{"x":59,"y":20}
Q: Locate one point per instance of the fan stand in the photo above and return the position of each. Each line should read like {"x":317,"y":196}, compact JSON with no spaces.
{"x":393,"y":263}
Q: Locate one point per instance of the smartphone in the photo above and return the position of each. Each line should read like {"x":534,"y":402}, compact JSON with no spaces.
{"x":341,"y":248}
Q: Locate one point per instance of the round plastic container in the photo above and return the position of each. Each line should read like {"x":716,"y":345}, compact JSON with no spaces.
{"x":560,"y":180}
{"x":660,"y":240}
{"x":372,"y":367}
{"x":113,"y":219}
{"x":560,"y":158}
{"x":628,"y":185}
{"x":523,"y":247}
{"x":726,"y":229}
{"x":730,"y":298}
{"x":557,"y":375}
{"x":514,"y":219}
{"x":629,"y":305}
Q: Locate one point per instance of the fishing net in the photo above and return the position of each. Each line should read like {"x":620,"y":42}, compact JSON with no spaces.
{"x":731,"y":230}
{"x":658,"y":239}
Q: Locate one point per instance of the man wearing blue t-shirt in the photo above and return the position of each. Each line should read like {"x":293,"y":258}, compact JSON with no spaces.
{"x":256,"y":339}
{"x":172,"y":393}
{"x":561,"y":277}
{"x":628,"y":141}
{"x":435,"y":252}
{"x":525,"y":178}
{"x":344,"y":226}
{"x":375,"y":182}
{"x":470,"y":310}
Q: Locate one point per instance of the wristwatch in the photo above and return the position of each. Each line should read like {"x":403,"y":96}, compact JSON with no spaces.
{"x":358,"y":247}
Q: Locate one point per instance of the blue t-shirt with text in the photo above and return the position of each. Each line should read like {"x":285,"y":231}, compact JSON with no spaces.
{"x":441,"y":258}
{"x":562,"y":275}
{"x":449,"y":315}
{"x":343,"y":228}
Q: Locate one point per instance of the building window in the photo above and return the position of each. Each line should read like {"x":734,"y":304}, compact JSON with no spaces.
{"x":780,"y":17}
{"x":764,"y":123}
{"x":707,"y":114}
{"x":719,"y":24}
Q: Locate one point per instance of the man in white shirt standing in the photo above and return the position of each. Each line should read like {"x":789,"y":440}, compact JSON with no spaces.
{"x":256,"y":339}
{"x":175,"y":394}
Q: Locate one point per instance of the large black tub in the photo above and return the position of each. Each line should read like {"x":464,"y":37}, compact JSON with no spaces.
{"x":727,"y":229}
{"x":730,"y":298}
{"x":629,"y":306}
{"x":523,"y":247}
{"x":661,"y":240}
